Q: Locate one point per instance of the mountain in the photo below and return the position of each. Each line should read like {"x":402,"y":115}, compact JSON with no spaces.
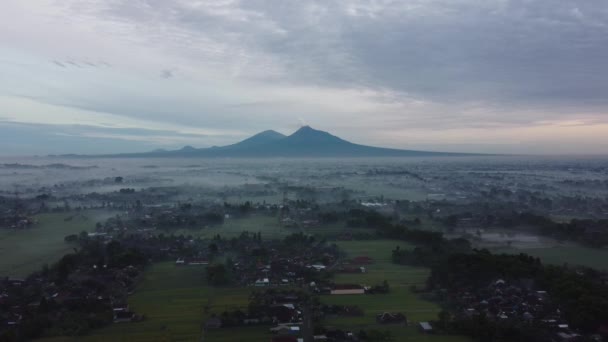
{"x":305,"y":142}
{"x":259,"y":139}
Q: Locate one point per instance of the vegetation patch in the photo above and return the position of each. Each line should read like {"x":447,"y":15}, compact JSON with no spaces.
{"x":43,"y":243}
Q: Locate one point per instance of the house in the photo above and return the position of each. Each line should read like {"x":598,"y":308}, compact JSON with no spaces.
{"x":363,"y":260}
{"x":198,"y":262}
{"x":262,"y":282}
{"x":123,"y":316}
{"x":391,"y":318}
{"x":213,"y":323}
{"x":16,"y":282}
{"x":347,"y":289}
{"x":249,"y":321}
{"x":425,"y":327}
{"x":564,"y":336}
{"x":281,"y":329}
{"x":120,"y":308}
{"x":294,"y":330}
{"x":283,"y":313}
{"x":284,"y":339}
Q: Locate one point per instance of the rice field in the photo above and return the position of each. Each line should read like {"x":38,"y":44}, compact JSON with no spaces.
{"x":400,"y":299}
{"x":27,"y":250}
{"x":176,"y":301}
{"x":570,"y":254}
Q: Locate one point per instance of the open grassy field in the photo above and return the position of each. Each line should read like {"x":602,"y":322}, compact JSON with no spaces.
{"x":570,"y":254}
{"x":269,"y":226}
{"x":25,"y":251}
{"x":174,"y":300}
{"x":400,"y":298}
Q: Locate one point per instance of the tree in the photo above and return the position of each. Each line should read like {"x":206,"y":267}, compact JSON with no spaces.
{"x":444,"y":319}
{"x":385,"y":286}
{"x":217,"y":274}
{"x":71,"y":238}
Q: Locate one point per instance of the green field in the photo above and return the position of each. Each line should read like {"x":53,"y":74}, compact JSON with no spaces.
{"x":25,"y":251}
{"x":568,"y":254}
{"x":400,"y":299}
{"x":269,"y":226}
{"x":173,"y":299}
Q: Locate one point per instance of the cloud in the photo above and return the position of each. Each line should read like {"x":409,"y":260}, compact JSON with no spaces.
{"x":359,"y":68}
{"x":166,"y":74}
{"x":42,"y":138}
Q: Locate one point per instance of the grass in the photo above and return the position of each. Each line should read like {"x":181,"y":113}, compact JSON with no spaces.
{"x":269,"y":226}
{"x":570,"y":254}
{"x":400,"y":298}
{"x":25,"y":251}
{"x":174,"y":300}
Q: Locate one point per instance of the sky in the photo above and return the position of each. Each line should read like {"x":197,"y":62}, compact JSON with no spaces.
{"x":493,"y":76}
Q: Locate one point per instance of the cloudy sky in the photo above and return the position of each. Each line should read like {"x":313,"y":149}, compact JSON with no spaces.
{"x":96,"y":76}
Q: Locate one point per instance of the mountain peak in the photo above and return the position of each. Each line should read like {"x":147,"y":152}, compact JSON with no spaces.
{"x":309,"y":135}
{"x":261,"y":138}
{"x":307,"y":129}
{"x":187,"y":148}
{"x":270,"y":133}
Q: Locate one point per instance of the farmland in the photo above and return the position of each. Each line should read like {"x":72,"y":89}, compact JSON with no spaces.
{"x":200,"y":210}
{"x":174,"y":301}
{"x":269,"y":226}
{"x":400,"y":298}
{"x":567,"y":254}
{"x":31,"y":248}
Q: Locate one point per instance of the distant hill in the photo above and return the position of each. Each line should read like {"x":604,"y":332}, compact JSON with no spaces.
{"x":260,"y":138}
{"x":305,"y":142}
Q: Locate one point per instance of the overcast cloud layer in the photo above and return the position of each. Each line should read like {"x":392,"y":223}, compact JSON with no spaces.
{"x":99,"y":76}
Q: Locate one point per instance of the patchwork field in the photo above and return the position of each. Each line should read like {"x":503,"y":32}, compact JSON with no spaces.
{"x":176,"y":301}
{"x":25,"y":251}
{"x":400,"y":299}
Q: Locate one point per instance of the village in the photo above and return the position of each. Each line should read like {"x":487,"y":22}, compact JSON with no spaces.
{"x":110,"y":261}
{"x":295,"y":260}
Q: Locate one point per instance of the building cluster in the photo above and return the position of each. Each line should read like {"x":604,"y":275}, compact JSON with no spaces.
{"x":53,"y":296}
{"x":15,"y":221}
{"x":270,"y":263}
{"x":517,"y":302}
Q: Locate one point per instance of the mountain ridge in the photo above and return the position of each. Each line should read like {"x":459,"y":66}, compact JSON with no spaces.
{"x":305,"y":142}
